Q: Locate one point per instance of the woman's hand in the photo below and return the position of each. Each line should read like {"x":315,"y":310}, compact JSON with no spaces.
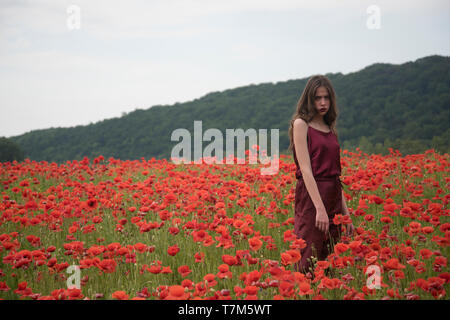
{"x":350,"y":229}
{"x":322,"y":220}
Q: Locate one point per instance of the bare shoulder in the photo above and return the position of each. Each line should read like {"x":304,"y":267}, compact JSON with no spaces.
{"x":300,"y":124}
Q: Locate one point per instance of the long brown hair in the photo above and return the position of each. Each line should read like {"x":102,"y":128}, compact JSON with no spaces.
{"x":306,"y":109}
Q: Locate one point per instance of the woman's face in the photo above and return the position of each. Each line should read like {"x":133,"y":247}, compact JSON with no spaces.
{"x":322,"y":100}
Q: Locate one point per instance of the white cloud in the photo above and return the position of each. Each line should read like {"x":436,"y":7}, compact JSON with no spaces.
{"x":140,"y":18}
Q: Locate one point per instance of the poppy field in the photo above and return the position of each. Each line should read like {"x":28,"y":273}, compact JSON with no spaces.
{"x":149,"y":229}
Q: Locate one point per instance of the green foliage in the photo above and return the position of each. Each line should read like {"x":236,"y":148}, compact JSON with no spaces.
{"x":405,"y":107}
{"x":9,"y":150}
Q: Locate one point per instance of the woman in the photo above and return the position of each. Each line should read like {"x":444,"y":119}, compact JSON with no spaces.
{"x":318,"y":195}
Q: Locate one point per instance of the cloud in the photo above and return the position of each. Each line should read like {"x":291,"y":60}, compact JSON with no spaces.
{"x":139,"y":53}
{"x":141,"y":19}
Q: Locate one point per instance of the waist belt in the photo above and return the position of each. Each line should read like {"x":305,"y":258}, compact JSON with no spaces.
{"x":330,"y":178}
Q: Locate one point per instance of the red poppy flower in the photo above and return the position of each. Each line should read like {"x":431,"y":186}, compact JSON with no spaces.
{"x":323,"y":264}
{"x":426,"y":253}
{"x":229,"y":260}
{"x":184,"y":271}
{"x":166,"y":270}
{"x":340,"y":248}
{"x":445,"y":276}
{"x":341,"y":219}
{"x":386,"y":220}
{"x":120,"y":295}
{"x":74,"y":294}
{"x":199,"y":235}
{"x":289,"y":235}
{"x":174,"y":230}
{"x":375,"y":199}
{"x":173,"y":250}
{"x":290,"y":257}
{"x":4,"y":286}
{"x":210,"y":279}
{"x":73,"y":229}
{"x":330,"y":284}
{"x":140,"y":247}
{"x":92,"y":203}
{"x":286,"y":289}
{"x":187,"y":283}
{"x":393,"y":264}
{"x":251,"y":277}
{"x":255,"y":243}
{"x":177,"y":292}
{"x":304,"y":288}
{"x":97,"y":219}
{"x":251,"y":290}
{"x":154,"y":269}
{"x":224,"y":272}
{"x":298,"y":244}
{"x":107,"y":265}
{"x":199,"y":256}
{"x":427,"y":230}
{"x":440,"y":261}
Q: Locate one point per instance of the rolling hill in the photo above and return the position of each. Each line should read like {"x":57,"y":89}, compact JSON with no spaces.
{"x":405,"y":106}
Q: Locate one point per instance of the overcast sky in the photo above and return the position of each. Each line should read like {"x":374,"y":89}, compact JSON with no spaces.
{"x":66,"y":63}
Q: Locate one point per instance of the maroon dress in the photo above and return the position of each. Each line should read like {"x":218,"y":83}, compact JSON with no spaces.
{"x":324,"y":153}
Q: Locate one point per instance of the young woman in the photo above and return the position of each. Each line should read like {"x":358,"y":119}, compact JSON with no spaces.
{"x":318,"y":194}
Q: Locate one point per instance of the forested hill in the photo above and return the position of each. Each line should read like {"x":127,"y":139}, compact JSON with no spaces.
{"x":406,"y":107}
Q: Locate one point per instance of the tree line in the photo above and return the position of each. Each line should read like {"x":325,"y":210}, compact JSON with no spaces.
{"x":404,"y":107}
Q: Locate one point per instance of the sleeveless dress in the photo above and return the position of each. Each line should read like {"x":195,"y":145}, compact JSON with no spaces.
{"x":324,"y":153}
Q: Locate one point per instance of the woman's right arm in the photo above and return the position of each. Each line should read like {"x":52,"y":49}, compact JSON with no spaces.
{"x":300,"y":131}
